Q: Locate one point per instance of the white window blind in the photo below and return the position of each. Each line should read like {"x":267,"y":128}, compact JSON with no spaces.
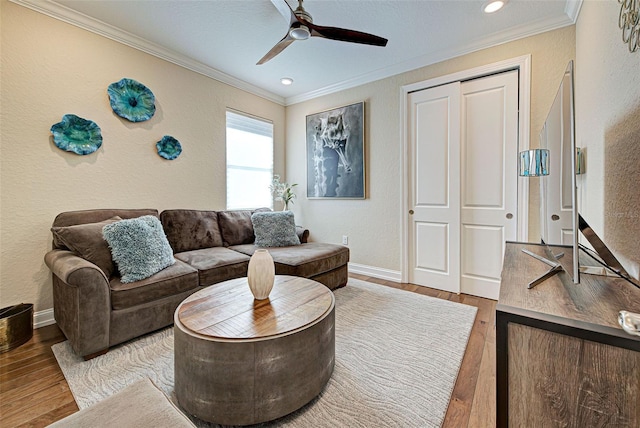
{"x":249,"y":161}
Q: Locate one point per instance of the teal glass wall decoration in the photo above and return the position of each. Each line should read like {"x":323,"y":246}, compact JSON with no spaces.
{"x":169,"y":148}
{"x":77,"y":135}
{"x":132,"y":100}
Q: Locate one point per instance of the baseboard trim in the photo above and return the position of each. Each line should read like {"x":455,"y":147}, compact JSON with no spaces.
{"x":376,"y":272}
{"x":43,"y":318}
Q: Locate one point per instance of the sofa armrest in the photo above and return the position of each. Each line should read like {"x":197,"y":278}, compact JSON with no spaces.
{"x":68,"y":267}
{"x":303,"y":234}
{"x":81,"y":301}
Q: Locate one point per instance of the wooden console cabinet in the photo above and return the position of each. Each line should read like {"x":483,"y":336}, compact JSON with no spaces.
{"x":562,"y":359}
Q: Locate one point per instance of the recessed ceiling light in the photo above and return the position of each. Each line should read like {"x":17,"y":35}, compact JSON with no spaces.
{"x":493,"y":5}
{"x":286,"y":81}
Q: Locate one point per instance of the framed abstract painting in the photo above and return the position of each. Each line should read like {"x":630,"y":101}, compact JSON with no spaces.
{"x":335,"y":153}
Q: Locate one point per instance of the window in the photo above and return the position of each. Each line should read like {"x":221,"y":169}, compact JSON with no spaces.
{"x":249,"y":161}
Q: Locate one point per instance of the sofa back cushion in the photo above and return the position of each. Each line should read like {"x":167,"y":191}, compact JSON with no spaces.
{"x":71,"y":218}
{"x":86,"y":241}
{"x":189,"y":230}
{"x":236,"y":226}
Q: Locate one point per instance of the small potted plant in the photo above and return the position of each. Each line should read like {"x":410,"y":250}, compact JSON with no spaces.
{"x":282,"y":191}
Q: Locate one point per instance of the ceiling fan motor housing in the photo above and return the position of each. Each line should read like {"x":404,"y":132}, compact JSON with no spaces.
{"x":298,"y":30}
{"x":301,"y":13}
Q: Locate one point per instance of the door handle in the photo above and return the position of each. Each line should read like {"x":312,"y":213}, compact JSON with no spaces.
{"x":509,"y":216}
{"x":410,"y":212}
{"x":555,"y":217}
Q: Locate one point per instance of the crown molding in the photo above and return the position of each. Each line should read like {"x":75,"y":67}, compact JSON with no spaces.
{"x":65,"y":14}
{"x":572,"y":9}
{"x":492,"y":40}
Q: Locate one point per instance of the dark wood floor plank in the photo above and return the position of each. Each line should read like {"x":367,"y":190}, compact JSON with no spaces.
{"x":42,"y":339}
{"x":33,"y":392}
{"x":26,"y":389}
{"x":30,"y":378}
{"x":483,"y":410}
{"x":24,"y":365}
{"x":29,"y":352}
{"x":461,"y":402}
{"x":50,"y":417}
{"x":29,"y":367}
{"x":47,"y":400}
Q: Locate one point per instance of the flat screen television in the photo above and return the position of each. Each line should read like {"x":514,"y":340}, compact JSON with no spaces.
{"x":560,"y":221}
{"x":558,"y":189}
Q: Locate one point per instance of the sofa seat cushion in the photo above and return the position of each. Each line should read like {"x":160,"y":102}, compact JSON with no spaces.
{"x":305,"y":260}
{"x":172,"y":280}
{"x":215,"y":264}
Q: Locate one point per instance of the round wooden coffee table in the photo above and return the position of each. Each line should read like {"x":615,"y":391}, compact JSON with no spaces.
{"x":240,"y":361}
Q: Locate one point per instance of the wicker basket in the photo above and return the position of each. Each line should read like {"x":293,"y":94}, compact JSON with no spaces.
{"x":16,"y":326}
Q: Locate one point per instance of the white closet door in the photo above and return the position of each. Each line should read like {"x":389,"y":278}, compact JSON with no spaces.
{"x":463,"y":192}
{"x":489,"y":153}
{"x":434,"y":132}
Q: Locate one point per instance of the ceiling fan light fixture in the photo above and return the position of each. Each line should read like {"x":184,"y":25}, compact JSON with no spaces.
{"x":492,"y":6}
{"x":286,"y":81}
{"x":300,"y":33}
{"x":301,"y":27}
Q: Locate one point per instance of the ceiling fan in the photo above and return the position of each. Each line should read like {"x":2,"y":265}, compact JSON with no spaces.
{"x":301,"y":27}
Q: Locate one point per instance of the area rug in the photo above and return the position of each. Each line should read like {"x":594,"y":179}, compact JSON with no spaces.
{"x":398,"y":354}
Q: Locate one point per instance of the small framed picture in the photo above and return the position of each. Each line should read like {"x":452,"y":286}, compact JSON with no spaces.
{"x":335,"y":153}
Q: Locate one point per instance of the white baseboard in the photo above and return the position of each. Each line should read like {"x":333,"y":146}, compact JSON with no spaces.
{"x":43,"y":318}
{"x":376,"y":272}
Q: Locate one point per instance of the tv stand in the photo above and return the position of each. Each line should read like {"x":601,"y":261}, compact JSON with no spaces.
{"x":562,"y":358}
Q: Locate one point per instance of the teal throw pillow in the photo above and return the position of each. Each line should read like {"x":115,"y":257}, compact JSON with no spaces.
{"x":139,"y":247}
{"x":274,"y":229}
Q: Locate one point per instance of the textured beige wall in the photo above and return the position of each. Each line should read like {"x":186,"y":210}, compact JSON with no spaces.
{"x":608,"y":126}
{"x":374,"y":224}
{"x":50,"y":68}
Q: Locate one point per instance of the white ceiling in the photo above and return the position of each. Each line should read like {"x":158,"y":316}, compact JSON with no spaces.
{"x":225,"y":38}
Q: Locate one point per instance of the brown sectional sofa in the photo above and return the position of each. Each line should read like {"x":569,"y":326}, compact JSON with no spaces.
{"x":96,"y":311}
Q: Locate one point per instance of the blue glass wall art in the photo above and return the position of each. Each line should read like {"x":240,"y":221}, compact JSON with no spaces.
{"x":77,"y":135}
{"x":132,"y":100}
{"x":169,"y":148}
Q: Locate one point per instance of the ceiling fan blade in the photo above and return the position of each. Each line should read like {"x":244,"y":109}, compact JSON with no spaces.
{"x":285,"y":10}
{"x":279,"y":47}
{"x":345,"y":35}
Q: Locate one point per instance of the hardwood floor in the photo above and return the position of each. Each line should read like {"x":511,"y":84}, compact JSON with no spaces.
{"x":34,"y":393}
